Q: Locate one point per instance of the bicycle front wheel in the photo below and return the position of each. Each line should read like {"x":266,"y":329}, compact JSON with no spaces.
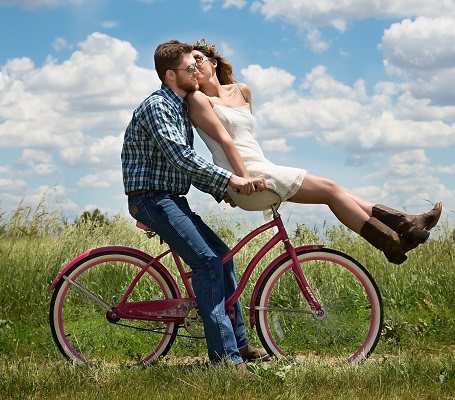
{"x":79,"y":323}
{"x":351,"y":325}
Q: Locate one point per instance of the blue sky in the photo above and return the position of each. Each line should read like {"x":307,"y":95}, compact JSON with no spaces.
{"x":359,"y":92}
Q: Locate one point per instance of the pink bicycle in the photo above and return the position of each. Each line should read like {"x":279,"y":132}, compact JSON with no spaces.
{"x":119,"y":304}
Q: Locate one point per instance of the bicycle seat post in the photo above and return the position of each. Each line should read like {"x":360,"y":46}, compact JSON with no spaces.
{"x":275,"y":212}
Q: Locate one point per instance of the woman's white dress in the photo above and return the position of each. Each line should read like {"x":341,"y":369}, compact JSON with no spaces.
{"x":239,"y":122}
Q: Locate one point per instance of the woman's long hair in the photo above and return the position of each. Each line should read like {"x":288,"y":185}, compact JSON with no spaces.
{"x":223,"y":68}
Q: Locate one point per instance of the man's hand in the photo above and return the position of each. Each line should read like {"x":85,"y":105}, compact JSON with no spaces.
{"x":247,"y":185}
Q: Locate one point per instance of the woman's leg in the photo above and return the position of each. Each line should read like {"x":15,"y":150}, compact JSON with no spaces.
{"x":316,"y":190}
{"x":350,"y":210}
{"x":378,"y":228}
{"x":364,"y":204}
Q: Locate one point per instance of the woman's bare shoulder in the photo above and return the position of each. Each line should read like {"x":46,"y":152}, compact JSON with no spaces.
{"x":196,"y":96}
{"x":242,"y":85}
{"x":245,"y":89}
{"x":199,"y":98}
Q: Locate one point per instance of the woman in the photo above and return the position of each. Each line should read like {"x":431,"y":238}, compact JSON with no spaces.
{"x":221,"y":112}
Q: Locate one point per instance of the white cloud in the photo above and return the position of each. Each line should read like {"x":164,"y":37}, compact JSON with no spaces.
{"x":411,"y":183}
{"x":77,"y":108}
{"x":37,"y":162}
{"x":235,"y":3}
{"x":104,"y":179}
{"x":60,"y":105}
{"x":207,"y":5}
{"x":60,"y":43}
{"x":109,"y":24}
{"x":226,"y":51}
{"x":386,"y":132}
{"x":266,"y":83}
{"x":315,"y":41}
{"x":94,"y":152}
{"x":302,"y":116}
{"x":322,"y":85}
{"x":446,"y":169}
{"x":347,"y":117}
{"x":422,"y":53}
{"x":420,"y":45}
{"x":12,"y":185}
{"x":305,"y":13}
{"x":278,"y":145}
{"x":19,"y":192}
{"x":56,"y":198}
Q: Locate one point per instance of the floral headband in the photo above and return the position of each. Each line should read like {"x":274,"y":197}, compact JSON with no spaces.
{"x":203,"y":43}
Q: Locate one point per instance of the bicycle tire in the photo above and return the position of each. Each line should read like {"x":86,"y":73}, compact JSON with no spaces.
{"x":351,"y":327}
{"x":79,"y":325}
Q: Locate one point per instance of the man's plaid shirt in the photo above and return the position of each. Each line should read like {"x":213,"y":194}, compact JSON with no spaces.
{"x":158,"y":150}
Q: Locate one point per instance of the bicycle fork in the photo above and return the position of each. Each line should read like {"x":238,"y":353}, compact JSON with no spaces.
{"x":316,"y":308}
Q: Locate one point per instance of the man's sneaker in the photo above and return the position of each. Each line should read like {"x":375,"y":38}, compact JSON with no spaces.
{"x":251,"y":353}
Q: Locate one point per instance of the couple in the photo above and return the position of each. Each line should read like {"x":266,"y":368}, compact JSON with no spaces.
{"x":159,"y":165}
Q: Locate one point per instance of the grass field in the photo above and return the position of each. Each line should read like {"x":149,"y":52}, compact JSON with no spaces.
{"x":415,"y":358}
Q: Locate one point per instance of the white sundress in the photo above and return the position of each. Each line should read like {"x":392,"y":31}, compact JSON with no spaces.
{"x":239,"y":123}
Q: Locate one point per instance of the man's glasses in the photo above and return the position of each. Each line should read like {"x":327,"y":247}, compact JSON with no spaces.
{"x":190,"y":69}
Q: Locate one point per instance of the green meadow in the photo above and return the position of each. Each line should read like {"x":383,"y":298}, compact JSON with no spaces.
{"x":415,"y":358}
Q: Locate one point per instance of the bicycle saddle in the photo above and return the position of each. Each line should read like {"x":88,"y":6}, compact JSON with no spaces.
{"x":257,"y":201}
{"x":140,"y":225}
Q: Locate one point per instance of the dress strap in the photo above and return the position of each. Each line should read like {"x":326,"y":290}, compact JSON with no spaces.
{"x":240,"y":93}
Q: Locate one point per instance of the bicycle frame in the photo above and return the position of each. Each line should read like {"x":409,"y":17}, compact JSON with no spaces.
{"x":175,"y":310}
{"x":282,"y":236}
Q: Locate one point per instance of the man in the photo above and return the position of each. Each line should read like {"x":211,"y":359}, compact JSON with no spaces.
{"x":159,"y":164}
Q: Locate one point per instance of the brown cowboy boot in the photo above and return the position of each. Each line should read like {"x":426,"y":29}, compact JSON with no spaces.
{"x":387,"y":240}
{"x":412,"y":227}
{"x":251,"y":353}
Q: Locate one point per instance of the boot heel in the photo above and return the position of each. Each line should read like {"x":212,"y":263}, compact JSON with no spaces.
{"x":417,"y":235}
{"x":399,"y":260}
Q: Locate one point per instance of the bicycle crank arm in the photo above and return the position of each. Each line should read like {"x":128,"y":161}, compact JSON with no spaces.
{"x":93,"y":296}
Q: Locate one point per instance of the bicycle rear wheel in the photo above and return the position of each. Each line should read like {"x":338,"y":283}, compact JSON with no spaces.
{"x":352,"y":323}
{"x":79,"y":324}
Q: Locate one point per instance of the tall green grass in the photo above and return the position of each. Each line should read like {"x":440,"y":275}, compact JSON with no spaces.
{"x":405,"y":378}
{"x":414,"y":359}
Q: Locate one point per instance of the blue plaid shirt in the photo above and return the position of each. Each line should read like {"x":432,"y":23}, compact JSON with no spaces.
{"x":158,"y":150}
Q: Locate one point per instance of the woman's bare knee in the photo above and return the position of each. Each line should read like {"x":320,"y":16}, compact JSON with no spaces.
{"x":333,"y":188}
{"x":317,"y":190}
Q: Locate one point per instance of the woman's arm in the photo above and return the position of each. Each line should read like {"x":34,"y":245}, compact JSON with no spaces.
{"x":203,"y":116}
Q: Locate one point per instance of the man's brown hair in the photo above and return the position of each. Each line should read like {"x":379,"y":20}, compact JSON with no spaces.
{"x":168,"y":55}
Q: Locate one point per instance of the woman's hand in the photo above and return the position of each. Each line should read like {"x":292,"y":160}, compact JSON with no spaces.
{"x":247,"y":185}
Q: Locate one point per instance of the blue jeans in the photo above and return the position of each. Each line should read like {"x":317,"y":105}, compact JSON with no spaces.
{"x":172,"y":219}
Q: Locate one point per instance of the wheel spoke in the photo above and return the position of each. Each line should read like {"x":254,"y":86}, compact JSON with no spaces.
{"x":351,"y":324}
{"x":285,"y":310}
{"x":79,"y":322}
{"x":88,"y":293}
